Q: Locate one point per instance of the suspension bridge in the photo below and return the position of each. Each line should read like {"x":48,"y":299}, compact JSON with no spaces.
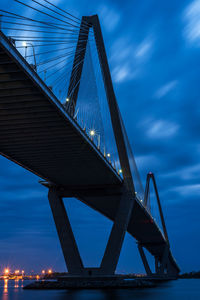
{"x":60,"y":120}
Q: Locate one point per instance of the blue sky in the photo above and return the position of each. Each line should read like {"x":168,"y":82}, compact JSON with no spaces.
{"x":153,"y":50}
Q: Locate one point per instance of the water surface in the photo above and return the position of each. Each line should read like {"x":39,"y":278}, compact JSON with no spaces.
{"x":183,"y":289}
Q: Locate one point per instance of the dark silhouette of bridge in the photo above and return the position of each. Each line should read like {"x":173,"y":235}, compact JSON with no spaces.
{"x":40,"y":134}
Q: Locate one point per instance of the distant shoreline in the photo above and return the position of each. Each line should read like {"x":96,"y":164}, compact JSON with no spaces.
{"x":190,"y":275}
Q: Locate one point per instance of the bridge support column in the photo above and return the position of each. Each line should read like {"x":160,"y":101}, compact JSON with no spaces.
{"x":165,"y":267}
{"x":67,"y":240}
{"x":156,"y":265}
{"x":144,"y":260}
{"x":161,"y":265}
{"x":171,"y":270}
{"x":65,"y":233}
{"x":115,"y":242}
{"x":164,"y":261}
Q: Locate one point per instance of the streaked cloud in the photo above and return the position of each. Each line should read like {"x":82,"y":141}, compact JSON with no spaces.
{"x":128,"y":59}
{"x":109,"y":17}
{"x":144,"y":49}
{"x":162,"y":129}
{"x":123,"y":72}
{"x":185,"y":173}
{"x":192,"y":22}
{"x":165,"y":89}
{"x":189,"y":189}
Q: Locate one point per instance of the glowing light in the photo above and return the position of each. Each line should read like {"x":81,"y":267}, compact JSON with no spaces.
{"x":37,"y":277}
{"x":24,"y":44}
{"x":7,"y":271}
{"x":120,"y":171}
{"x":108,"y":154}
{"x":43,"y":271}
{"x":50,"y":271}
{"x":16,"y":271}
{"x":22,"y":272}
{"x":67,"y":99}
{"x":92,"y":132}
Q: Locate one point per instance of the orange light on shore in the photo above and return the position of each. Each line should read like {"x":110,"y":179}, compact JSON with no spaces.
{"x":37,"y":277}
{"x":50,"y":271}
{"x":16,"y":271}
{"x":6,"y":271}
{"x":43,"y":271}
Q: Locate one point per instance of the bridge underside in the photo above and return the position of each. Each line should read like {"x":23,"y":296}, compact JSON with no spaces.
{"x":141,"y":226}
{"x":37,"y":133}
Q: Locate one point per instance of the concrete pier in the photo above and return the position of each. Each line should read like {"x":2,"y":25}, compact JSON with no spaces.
{"x":98,"y":282}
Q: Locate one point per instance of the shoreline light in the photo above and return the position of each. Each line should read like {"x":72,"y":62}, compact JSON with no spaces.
{"x":6,"y":271}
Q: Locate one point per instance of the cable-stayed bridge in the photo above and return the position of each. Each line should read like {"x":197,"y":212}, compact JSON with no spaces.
{"x":63,"y":136}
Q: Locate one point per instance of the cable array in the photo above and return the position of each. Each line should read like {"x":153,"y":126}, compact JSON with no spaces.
{"x":48,"y":41}
{"x":61,"y":48}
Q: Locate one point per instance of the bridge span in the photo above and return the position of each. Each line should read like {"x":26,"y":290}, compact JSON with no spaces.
{"x":38,"y":133}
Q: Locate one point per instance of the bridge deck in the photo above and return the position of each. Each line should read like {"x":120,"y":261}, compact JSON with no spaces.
{"x":38,"y":134}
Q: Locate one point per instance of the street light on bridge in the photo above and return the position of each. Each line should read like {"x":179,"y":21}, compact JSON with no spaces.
{"x":92,"y":134}
{"x":25,"y":44}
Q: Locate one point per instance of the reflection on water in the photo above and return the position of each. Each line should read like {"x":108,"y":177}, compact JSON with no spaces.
{"x":5,"y":290}
{"x":180,"y":289}
{"x":16,"y":286}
